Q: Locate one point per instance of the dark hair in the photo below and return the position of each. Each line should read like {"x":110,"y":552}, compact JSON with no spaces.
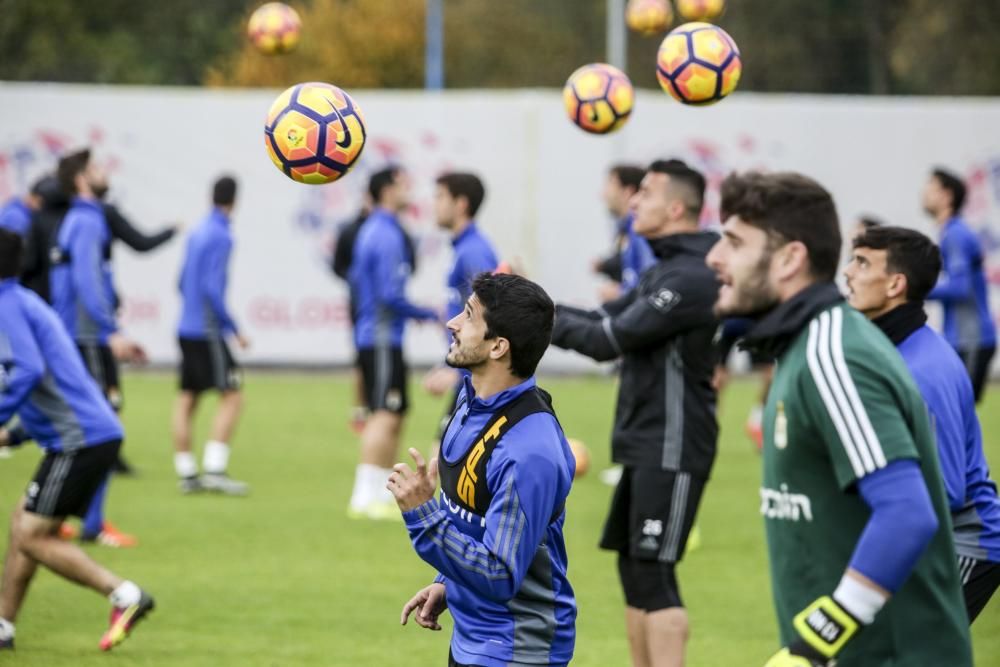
{"x":788,"y":207}
{"x":520,"y":311}
{"x":908,"y":252}
{"x":69,"y":167}
{"x":870,"y":222}
{"x":691,"y":181}
{"x":954,"y":185}
{"x":11,"y":247}
{"x":629,"y":175}
{"x":224,"y":191}
{"x":463,"y":184}
{"x":379,"y":181}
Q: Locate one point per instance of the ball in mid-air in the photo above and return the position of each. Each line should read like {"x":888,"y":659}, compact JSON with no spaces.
{"x":314,"y":133}
{"x":648,"y":17}
{"x":274,"y":28}
{"x":698,"y":64}
{"x":598,"y":98}
{"x":700,"y":10}
{"x":582,"y":456}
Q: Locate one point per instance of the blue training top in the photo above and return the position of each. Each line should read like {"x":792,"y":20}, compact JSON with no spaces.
{"x":16,"y":217}
{"x":947,"y":391}
{"x":379,"y":272}
{"x":204,"y":278}
{"x":473,"y":255}
{"x":505,"y":572}
{"x":636,"y":255}
{"x":962,"y":289}
{"x":81,"y":282}
{"x":43,"y":379}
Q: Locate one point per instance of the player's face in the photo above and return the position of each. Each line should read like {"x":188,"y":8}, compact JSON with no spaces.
{"x":97,"y":179}
{"x":401,"y":191}
{"x":469,"y":348}
{"x":615,"y":196}
{"x":650,"y":205}
{"x":444,"y":207}
{"x":742,"y":261}
{"x":868,"y":281}
{"x":934,"y":197}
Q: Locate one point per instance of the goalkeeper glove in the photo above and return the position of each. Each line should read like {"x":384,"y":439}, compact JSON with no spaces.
{"x":824,"y":628}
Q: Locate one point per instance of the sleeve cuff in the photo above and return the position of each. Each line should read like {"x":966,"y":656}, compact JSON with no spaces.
{"x":423,"y":515}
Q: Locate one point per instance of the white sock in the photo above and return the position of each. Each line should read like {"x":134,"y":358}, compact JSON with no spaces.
{"x":366,"y":478}
{"x":383,"y":494}
{"x":125,"y":595}
{"x":6,"y":629}
{"x":216,"y":458}
{"x":185,"y":464}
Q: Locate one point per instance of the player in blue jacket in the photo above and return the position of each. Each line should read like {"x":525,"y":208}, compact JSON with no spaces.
{"x":16,"y":214}
{"x":206,"y":362}
{"x":43,"y":381}
{"x":962,"y":289}
{"x":456,"y":202}
{"x":83,"y":297}
{"x":379,"y":272}
{"x":495,"y":534}
{"x":632,"y":254}
{"x":891,"y":272}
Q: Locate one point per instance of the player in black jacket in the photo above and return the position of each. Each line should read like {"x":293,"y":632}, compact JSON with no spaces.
{"x":665,"y":429}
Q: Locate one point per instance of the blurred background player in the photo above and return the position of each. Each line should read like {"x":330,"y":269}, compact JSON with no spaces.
{"x":457,"y":199}
{"x":495,"y":536}
{"x":631,"y":254}
{"x":43,"y":380}
{"x":890,"y":274}
{"x":851,"y":491}
{"x":206,"y":362}
{"x":380,"y":270}
{"x":665,"y":429}
{"x":16,"y":214}
{"x":962,"y":289}
{"x":83,"y":297}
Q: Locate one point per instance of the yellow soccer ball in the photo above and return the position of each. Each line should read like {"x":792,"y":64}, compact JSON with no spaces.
{"x":598,"y":98}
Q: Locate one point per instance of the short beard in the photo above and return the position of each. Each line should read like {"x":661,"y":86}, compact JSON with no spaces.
{"x":755,"y":298}
{"x":462,"y":359}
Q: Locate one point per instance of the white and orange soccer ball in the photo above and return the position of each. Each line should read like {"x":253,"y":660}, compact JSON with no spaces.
{"x":701,"y":10}
{"x":274,"y":28}
{"x":649,"y":17}
{"x":314,"y":133}
{"x":698,"y":64}
{"x":582,"y":456}
{"x":598,"y":98}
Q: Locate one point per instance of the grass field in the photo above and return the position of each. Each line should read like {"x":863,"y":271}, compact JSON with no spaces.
{"x":283,"y":578}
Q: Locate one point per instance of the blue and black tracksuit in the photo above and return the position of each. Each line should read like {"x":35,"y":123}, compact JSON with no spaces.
{"x":15,"y":216}
{"x":636,"y":253}
{"x":503,"y":564}
{"x":204,"y":280}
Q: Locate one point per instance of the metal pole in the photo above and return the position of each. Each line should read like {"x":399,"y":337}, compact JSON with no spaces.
{"x":617,"y":36}
{"x":434,"y":54}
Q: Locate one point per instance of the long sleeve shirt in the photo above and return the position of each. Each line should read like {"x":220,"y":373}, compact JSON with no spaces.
{"x":962,"y":289}
{"x":43,"y":379}
{"x":80,"y":281}
{"x":205,"y":279}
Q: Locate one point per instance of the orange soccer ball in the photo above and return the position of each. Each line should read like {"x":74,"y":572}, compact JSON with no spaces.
{"x":648,"y":17}
{"x":698,"y":64}
{"x":598,"y":98}
{"x":582,"y":456}
{"x":700,"y":10}
{"x":274,"y":28}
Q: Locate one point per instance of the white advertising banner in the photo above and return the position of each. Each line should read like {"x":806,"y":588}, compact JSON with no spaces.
{"x":165,"y":146}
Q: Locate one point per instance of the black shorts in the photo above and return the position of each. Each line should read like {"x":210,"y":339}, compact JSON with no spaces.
{"x":977,"y":363}
{"x":208,"y":364}
{"x":384,"y":373}
{"x":980,"y":580}
{"x":101,"y":365}
{"x":652,"y":513}
{"x":65,"y":482}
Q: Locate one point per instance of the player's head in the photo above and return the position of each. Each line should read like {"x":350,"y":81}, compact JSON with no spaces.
{"x":505,"y":328}
{"x":863,"y":224}
{"x":780,"y":235}
{"x":669,"y":199}
{"x":224,"y":192}
{"x":79,"y":175}
{"x":11,"y":247}
{"x":36,"y":194}
{"x":890,"y":266}
{"x":622,"y":184}
{"x":457,"y":199}
{"x":390,"y":188}
{"x":944,"y":194}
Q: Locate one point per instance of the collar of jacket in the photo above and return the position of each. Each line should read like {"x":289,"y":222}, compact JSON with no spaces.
{"x":902,"y":321}
{"x":86,"y":202}
{"x":694,"y":243}
{"x":496,"y":401}
{"x":467,"y":233}
{"x":775,"y":330}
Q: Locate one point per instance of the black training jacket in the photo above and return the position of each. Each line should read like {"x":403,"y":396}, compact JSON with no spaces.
{"x":663,"y":331}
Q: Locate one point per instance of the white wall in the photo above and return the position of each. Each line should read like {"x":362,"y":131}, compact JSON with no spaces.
{"x":166,"y":145}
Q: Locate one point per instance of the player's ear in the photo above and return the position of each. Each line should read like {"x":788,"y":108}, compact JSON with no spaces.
{"x":500,"y":348}
{"x":897,"y":285}
{"x":793,"y":259}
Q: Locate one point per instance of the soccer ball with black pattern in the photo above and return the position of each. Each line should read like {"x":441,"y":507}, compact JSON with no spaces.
{"x":598,"y":98}
{"x":698,"y":64}
{"x":701,"y":10}
{"x":648,"y":17}
{"x":314,"y":133}
{"x":274,"y":28}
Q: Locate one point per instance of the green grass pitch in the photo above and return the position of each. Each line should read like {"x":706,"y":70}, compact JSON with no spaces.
{"x":282,"y":578}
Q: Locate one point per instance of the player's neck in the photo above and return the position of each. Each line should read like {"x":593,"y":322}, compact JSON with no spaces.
{"x":492,"y":380}
{"x":943,"y":216}
{"x":460,"y":226}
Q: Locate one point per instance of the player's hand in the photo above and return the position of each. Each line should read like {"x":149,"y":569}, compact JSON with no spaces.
{"x":125,"y":349}
{"x":440,"y":380}
{"x":824,"y":627}
{"x":785,"y":658}
{"x":609,"y":292}
{"x":720,"y":378}
{"x":242,"y":341}
{"x":413,"y":488}
{"x":429,"y":603}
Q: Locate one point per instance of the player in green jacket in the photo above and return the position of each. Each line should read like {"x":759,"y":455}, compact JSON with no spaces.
{"x":858,"y":529}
